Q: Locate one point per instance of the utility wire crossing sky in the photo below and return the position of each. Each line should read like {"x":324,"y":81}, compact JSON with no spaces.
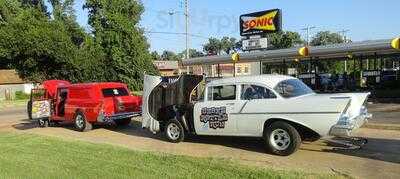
{"x":358,"y":19}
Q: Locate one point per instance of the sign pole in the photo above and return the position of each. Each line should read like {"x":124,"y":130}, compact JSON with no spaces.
{"x":187,"y":33}
{"x":234,"y":69}
{"x":235,"y":58}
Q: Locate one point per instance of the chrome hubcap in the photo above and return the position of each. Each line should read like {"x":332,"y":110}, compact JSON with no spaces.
{"x":79,"y":121}
{"x":173,"y":131}
{"x":279,"y":139}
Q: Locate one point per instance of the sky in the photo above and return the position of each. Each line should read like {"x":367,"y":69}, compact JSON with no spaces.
{"x":365,"y":19}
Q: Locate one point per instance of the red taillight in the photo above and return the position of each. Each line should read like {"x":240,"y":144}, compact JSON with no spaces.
{"x":120,"y":105}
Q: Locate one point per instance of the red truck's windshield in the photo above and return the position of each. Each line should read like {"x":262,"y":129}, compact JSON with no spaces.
{"x":112,"y":92}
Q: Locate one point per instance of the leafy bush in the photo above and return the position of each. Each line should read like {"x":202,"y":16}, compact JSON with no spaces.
{"x":19,"y":95}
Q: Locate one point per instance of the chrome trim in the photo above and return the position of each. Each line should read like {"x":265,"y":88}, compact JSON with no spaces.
{"x":346,"y":130}
{"x":114,"y":117}
{"x":323,"y":112}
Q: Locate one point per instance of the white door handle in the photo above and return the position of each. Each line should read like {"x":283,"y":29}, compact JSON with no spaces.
{"x":230,"y":104}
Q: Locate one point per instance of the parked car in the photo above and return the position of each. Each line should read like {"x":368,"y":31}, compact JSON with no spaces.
{"x":83,"y":104}
{"x":280,"y":109}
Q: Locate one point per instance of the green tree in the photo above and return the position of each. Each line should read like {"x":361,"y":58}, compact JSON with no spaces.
{"x":193,"y":53}
{"x":36,"y":47}
{"x":170,"y":56}
{"x":91,"y":58}
{"x":213,"y":46}
{"x":155,"y":56}
{"x":326,"y":38}
{"x":115,"y":27}
{"x":281,"y":40}
{"x":228,"y":44}
{"x":63,"y":12}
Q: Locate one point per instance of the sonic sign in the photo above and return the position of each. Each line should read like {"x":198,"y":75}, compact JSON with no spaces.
{"x":259,"y":23}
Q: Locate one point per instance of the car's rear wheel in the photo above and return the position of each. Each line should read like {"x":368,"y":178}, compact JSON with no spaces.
{"x":123,"y":122}
{"x":174,"y":131}
{"x":281,"y":138}
{"x":81,"y":124}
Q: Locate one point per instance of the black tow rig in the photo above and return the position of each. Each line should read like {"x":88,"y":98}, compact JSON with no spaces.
{"x":347,"y":143}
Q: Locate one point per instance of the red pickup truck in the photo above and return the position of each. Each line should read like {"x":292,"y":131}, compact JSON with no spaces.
{"x":83,"y":104}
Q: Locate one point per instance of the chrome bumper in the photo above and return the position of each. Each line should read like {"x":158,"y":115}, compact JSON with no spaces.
{"x":346,"y":130}
{"x":115,"y":117}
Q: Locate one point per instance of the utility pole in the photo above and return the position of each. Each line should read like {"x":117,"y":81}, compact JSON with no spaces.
{"x":308,"y":29}
{"x":187,"y":33}
{"x":343,"y":33}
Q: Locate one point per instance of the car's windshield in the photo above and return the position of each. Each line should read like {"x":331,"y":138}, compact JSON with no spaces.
{"x":111,"y":92}
{"x":292,"y":88}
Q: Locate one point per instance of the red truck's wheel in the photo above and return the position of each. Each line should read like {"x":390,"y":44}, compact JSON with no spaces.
{"x":81,"y":123}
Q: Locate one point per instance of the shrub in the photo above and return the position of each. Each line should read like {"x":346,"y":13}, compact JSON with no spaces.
{"x":19,"y":95}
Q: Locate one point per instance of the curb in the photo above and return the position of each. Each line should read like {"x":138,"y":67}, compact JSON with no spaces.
{"x":382,"y":126}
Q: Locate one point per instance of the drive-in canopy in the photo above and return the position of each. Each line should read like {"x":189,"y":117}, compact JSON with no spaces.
{"x":374,"y":47}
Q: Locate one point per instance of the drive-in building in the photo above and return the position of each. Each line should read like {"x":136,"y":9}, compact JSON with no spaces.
{"x":367,"y":64}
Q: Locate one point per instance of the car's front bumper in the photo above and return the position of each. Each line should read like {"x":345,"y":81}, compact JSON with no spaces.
{"x":116,"y":117}
{"x":346,"y":130}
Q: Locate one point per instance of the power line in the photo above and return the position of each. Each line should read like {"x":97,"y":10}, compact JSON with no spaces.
{"x":308,"y":29}
{"x":175,"y":33}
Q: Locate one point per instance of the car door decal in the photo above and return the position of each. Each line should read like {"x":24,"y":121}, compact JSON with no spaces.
{"x":214,"y":116}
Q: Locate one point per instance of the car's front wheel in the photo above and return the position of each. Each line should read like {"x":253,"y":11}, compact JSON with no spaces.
{"x":174,"y":131}
{"x":81,"y":124}
{"x":281,"y":138}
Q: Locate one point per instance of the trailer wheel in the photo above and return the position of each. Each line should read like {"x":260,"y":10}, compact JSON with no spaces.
{"x":174,"y":131}
{"x":281,"y":138}
{"x":43,"y":122}
{"x":29,"y":109}
{"x":81,"y":124}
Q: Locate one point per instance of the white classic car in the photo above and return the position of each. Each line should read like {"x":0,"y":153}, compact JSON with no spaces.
{"x":280,"y":109}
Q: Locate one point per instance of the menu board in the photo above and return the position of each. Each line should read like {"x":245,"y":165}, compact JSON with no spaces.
{"x":40,"y":109}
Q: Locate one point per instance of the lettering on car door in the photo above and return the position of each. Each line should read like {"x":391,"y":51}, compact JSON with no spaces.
{"x":213,"y":115}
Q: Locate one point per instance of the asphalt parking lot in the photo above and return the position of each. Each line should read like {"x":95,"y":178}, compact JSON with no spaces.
{"x":380,"y":158}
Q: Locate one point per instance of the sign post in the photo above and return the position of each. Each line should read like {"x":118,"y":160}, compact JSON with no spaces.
{"x":235,"y":58}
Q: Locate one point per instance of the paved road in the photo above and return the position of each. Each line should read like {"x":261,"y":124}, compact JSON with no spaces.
{"x":385,"y":113}
{"x":380,"y":158}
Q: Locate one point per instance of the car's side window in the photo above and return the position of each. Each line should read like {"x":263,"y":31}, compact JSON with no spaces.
{"x":256,"y":92}
{"x":219,"y":93}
